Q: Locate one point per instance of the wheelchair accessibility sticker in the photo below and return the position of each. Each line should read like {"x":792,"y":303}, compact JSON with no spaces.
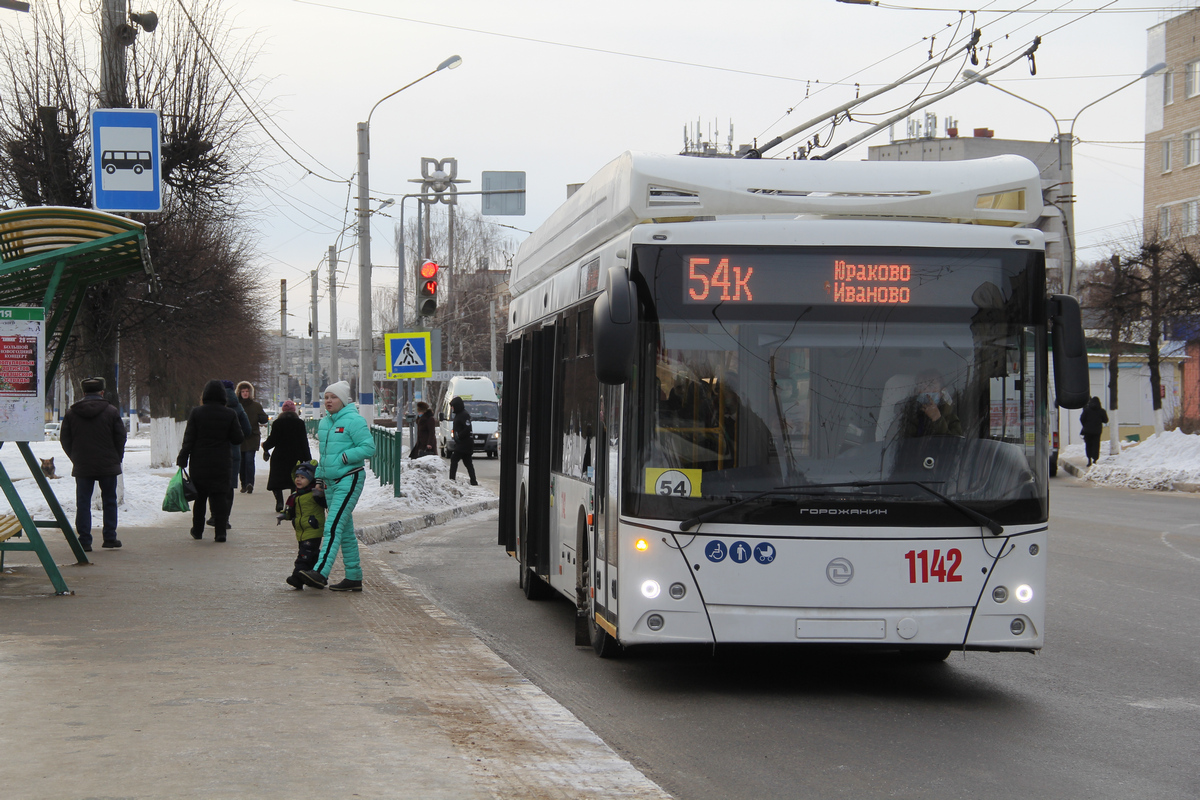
{"x":715,"y":551}
{"x":739,"y":552}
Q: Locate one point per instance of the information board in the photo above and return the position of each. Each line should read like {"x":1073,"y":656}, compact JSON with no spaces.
{"x":22,"y":371}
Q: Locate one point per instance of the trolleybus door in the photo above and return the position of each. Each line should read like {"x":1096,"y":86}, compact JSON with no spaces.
{"x":604,"y":531}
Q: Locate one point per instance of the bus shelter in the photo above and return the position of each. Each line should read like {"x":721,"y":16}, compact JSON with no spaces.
{"x":49,"y":257}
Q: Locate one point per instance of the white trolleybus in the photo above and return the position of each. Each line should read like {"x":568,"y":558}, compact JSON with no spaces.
{"x":757,"y":401}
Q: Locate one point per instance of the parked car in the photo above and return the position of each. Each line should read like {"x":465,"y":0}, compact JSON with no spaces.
{"x":50,"y":431}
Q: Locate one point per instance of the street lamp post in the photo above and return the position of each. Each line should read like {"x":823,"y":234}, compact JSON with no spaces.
{"x":366,"y":349}
{"x":1066,"y":164}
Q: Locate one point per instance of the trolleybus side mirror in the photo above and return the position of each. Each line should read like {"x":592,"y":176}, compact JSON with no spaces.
{"x":614,"y":328}
{"x":1071,"y":382}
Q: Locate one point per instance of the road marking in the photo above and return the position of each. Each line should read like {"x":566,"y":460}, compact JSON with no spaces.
{"x":1176,"y":549}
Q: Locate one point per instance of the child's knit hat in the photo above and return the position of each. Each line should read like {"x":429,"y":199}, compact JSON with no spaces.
{"x":306,"y":470}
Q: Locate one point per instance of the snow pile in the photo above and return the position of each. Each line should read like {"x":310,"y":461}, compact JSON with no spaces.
{"x":426,"y":486}
{"x":1157,"y":463}
{"x":424,"y":482}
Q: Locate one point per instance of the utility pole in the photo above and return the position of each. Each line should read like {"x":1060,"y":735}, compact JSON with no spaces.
{"x":316,"y":338}
{"x":333,"y":325}
{"x":492,"y":338}
{"x":114,"y":14}
{"x":366,"y":349}
{"x":283,"y":373}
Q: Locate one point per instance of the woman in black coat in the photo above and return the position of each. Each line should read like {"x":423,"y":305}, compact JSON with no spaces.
{"x":211,"y":428}
{"x":289,"y":438}
{"x":427,"y":426}
{"x":1093,"y":419}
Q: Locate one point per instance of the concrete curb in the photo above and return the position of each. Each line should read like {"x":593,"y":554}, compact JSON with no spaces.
{"x":1073,"y":469}
{"x":386,"y":531}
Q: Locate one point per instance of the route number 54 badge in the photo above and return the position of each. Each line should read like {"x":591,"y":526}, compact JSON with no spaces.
{"x":673,"y":482}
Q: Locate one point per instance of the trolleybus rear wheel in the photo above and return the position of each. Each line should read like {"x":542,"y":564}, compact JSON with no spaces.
{"x":535,"y":588}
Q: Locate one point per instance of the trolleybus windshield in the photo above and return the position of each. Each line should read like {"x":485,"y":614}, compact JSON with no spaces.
{"x":821,"y":367}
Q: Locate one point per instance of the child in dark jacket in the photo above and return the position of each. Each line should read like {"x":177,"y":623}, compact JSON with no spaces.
{"x":307,"y":515}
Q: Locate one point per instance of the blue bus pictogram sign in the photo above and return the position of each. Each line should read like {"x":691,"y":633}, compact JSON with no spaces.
{"x":126,"y":166}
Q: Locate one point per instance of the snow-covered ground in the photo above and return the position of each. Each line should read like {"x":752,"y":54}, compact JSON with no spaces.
{"x":1157,"y":463}
{"x":424,"y":483}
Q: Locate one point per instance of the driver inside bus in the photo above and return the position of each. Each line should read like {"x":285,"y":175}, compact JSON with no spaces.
{"x":929,"y":412}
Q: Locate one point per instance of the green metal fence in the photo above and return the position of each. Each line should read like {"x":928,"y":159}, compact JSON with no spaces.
{"x":389,"y":449}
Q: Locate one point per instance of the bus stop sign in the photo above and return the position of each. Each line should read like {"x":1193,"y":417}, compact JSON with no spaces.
{"x":126,"y":164}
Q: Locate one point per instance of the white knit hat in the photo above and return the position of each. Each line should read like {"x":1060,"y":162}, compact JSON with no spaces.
{"x":341,"y":389}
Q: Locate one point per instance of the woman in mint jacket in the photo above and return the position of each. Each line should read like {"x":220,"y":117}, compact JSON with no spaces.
{"x":345,"y":443}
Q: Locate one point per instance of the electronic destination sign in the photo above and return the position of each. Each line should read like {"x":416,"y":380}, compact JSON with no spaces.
{"x":786,"y":276}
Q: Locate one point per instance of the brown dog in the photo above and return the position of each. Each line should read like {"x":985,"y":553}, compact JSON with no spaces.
{"x":48,"y":467}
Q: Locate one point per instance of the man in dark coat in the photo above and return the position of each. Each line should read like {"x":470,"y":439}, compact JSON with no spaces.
{"x":235,"y":452}
{"x":1092,"y":419}
{"x":289,"y":439}
{"x":212,"y":429}
{"x":256,"y":415}
{"x":93,"y":437}
{"x":464,"y":444}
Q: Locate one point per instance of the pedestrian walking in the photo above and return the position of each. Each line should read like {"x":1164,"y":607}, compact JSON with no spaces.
{"x":463,"y":442}
{"x":426,"y":444}
{"x":307,"y":515}
{"x":235,"y":451}
{"x":256,"y":416}
{"x":93,"y":437}
{"x":1093,"y":418}
{"x":212,"y":428}
{"x":289,"y":441}
{"x":345,"y":442}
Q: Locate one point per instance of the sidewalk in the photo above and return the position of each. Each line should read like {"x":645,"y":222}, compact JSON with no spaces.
{"x":183,"y":668}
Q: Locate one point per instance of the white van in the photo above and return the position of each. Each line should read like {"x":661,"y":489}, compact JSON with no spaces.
{"x":479,"y":397}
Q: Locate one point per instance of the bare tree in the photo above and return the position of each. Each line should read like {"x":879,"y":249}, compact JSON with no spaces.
{"x":1114,"y":292}
{"x":45,"y":156}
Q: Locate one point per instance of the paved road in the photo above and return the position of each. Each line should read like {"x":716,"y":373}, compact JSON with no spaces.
{"x":1109,"y":709}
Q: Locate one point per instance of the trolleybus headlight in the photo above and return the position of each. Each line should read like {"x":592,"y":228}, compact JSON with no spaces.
{"x":1024,"y":593}
{"x":654,"y":622}
{"x":641,"y":545}
{"x":677,"y":591}
{"x":1017,"y":626}
{"x":1000,"y":594}
{"x":651,"y":589}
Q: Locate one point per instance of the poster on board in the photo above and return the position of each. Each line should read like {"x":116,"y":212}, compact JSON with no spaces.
{"x":22,"y":373}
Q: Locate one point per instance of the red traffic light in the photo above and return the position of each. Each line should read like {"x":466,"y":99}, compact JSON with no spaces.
{"x":429,"y":270}
{"x":430,"y":288}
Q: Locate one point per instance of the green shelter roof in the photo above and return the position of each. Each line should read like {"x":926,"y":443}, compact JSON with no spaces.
{"x":46,"y":247}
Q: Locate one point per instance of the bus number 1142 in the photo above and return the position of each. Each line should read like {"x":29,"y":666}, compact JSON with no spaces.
{"x":934,"y":567}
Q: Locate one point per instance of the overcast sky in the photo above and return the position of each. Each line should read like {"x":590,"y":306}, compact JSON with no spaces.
{"x":558,"y":89}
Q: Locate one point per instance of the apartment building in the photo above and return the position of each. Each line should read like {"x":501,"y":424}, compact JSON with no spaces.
{"x":1171,"y":204}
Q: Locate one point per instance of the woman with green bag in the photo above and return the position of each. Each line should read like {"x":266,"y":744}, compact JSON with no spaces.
{"x":211,"y":428}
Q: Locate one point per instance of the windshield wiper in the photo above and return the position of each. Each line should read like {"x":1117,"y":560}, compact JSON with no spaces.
{"x":981,"y":519}
{"x":688,"y":524}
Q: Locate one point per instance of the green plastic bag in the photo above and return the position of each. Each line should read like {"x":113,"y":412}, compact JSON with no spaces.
{"x":174,"y":499}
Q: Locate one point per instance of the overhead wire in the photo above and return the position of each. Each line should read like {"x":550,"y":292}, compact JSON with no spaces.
{"x":246,"y":103}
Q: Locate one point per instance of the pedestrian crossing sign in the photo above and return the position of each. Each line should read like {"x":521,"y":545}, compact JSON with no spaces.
{"x":408,"y":355}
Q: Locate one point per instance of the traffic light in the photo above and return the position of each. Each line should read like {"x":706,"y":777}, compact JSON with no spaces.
{"x":427,"y":286}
